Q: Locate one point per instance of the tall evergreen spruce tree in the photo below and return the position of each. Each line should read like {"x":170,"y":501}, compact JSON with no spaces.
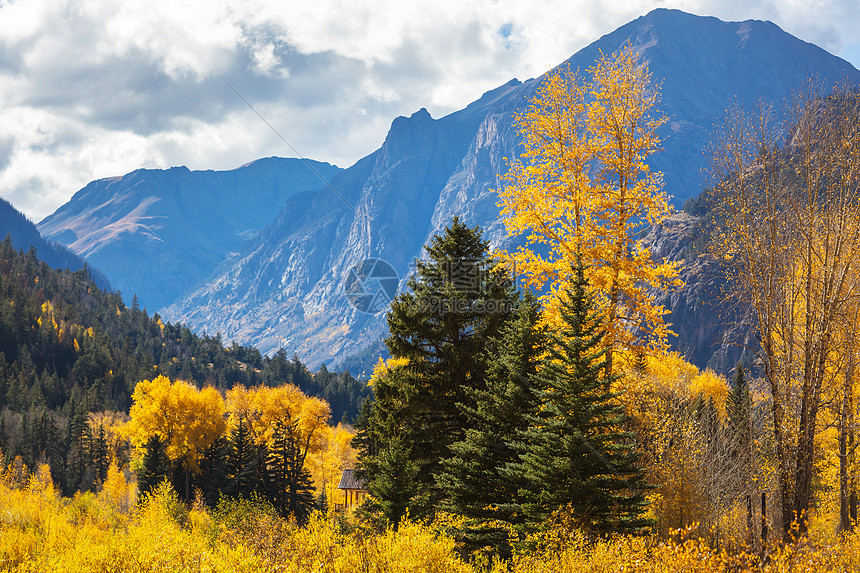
{"x":213,"y":478}
{"x":288,"y":480}
{"x":243,"y":463}
{"x":394,"y":483}
{"x":456,"y":303}
{"x":576,"y":456}
{"x":100,"y":454}
{"x":383,"y":427}
{"x":739,"y":406}
{"x":740,"y":411}
{"x":3,"y":439}
{"x":473,"y":478}
{"x":156,"y":465}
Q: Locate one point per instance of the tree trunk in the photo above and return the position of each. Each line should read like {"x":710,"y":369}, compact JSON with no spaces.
{"x":844,"y":501}
{"x":804,"y":471}
{"x":852,"y":498}
{"x":763,"y":522}
{"x":781,"y":446}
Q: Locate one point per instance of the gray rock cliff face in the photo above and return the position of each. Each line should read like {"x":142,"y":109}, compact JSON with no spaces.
{"x":713,"y":331}
{"x":283,"y":288}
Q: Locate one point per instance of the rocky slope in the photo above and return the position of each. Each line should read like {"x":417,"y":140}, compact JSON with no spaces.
{"x":712,"y":331}
{"x":284,"y":287}
{"x":158,"y":233}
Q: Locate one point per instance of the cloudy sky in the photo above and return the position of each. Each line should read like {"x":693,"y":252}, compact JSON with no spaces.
{"x":96,"y":88}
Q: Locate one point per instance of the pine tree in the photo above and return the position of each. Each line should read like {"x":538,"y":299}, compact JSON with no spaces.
{"x":3,"y":439}
{"x":473,"y":478}
{"x":739,"y":406}
{"x":393,"y":483}
{"x":155,"y":467}
{"x":740,"y":409}
{"x":213,"y":470}
{"x":100,"y":454}
{"x":455,"y":304}
{"x":289,"y":482}
{"x":24,"y":446}
{"x":576,"y":456}
{"x":77,"y":446}
{"x":244,"y":462}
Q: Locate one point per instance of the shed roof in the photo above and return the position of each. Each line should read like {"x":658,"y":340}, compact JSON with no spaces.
{"x":351,"y":479}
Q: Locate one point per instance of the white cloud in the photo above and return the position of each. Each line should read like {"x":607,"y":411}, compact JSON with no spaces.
{"x":95,"y":88}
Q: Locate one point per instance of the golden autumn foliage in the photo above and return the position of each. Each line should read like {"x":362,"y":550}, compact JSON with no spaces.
{"x":335,"y":455}
{"x":187,"y":419}
{"x":789,"y":205}
{"x":584,"y":187}
{"x":679,"y":414}
{"x":383,"y":367}
{"x":113,"y":424}
{"x":42,"y":532}
{"x":264,"y":409}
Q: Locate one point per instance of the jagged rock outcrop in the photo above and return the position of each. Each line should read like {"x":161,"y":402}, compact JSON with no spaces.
{"x":713,"y":331}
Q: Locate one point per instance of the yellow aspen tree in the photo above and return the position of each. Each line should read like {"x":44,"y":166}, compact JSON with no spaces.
{"x":291,"y":426}
{"x":187,"y":419}
{"x":113,"y":423}
{"x":263,"y":409}
{"x":583,"y":187}
{"x":336,"y":455}
{"x":845,"y":403}
{"x":790,"y":219}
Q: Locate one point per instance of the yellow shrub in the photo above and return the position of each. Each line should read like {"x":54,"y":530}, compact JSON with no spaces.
{"x":41,"y":532}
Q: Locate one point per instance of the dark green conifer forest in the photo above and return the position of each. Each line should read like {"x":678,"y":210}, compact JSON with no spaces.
{"x":69,"y":349}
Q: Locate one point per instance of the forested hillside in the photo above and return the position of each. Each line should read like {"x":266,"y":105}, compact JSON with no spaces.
{"x":68,"y":348}
{"x":24,"y":233}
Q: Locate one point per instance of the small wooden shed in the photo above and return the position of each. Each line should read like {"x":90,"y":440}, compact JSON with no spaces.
{"x":354,"y":489}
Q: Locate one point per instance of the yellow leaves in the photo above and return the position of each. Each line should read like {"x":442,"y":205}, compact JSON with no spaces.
{"x":583,"y":187}
{"x":668,"y":374}
{"x":116,"y":491}
{"x":41,"y":483}
{"x":188,"y":419}
{"x":382,"y":368}
{"x":335,"y":455}
{"x":40,"y":532}
{"x":670,"y":366}
{"x":113,"y":425}
{"x":264,"y":409}
{"x":711,"y":386}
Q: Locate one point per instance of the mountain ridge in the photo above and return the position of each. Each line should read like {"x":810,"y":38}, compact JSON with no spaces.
{"x":283,"y":287}
{"x":159,"y":232}
{"x":25,"y":235}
